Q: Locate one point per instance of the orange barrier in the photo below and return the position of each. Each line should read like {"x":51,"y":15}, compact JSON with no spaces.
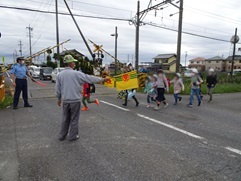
{"x":2,"y":90}
{"x":2,"y":93}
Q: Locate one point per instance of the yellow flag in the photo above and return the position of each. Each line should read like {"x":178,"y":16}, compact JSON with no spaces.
{"x":110,"y":83}
{"x":127,"y":81}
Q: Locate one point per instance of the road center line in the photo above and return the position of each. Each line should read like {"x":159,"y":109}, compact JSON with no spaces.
{"x":233,"y":150}
{"x":113,"y":105}
{"x":171,"y":127}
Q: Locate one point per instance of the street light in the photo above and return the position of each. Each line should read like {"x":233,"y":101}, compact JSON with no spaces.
{"x":116,"y":36}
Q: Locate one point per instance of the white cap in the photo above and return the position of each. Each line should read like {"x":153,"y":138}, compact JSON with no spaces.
{"x":195,"y":71}
{"x":178,"y":74}
{"x":211,"y":70}
{"x":128,"y":64}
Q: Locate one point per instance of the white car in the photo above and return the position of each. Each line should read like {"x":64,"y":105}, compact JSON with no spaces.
{"x":188,"y":73}
{"x":55,"y":73}
{"x":34,"y":71}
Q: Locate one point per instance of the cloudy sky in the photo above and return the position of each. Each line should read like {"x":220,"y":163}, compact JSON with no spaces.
{"x":216,"y":19}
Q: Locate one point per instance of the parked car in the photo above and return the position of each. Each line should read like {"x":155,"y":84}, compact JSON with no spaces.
{"x":45,"y":73}
{"x":34,"y":71}
{"x":236,"y":72}
{"x":188,"y":73}
{"x":55,"y":73}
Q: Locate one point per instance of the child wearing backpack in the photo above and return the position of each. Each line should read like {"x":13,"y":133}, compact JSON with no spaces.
{"x":87,"y":90}
{"x":178,"y":87}
{"x":150,"y":89}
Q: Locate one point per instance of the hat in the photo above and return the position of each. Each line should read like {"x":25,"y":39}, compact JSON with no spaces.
{"x":128,"y":64}
{"x":160,"y":71}
{"x":211,"y":70}
{"x":178,"y":75}
{"x":69,"y":59}
{"x":195,"y":71}
{"x":19,"y":58}
{"x":154,"y":75}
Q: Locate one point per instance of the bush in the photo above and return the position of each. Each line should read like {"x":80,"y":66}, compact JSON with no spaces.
{"x":7,"y":102}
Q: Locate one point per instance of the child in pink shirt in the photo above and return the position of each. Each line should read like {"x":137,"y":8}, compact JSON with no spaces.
{"x":178,"y":87}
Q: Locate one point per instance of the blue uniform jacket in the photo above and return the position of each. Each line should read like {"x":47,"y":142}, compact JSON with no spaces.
{"x":20,"y":71}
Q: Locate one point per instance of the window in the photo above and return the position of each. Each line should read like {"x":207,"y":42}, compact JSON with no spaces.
{"x":198,"y":62}
{"x":209,"y":61}
{"x":239,"y":61}
{"x":165,"y":68}
{"x":165,"y":61}
{"x":217,"y":61}
{"x":230,"y":61}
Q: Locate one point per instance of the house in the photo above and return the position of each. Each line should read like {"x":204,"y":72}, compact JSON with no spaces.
{"x":72,"y":52}
{"x":198,"y":63}
{"x":237,"y":63}
{"x":217,"y":63}
{"x":165,"y":61}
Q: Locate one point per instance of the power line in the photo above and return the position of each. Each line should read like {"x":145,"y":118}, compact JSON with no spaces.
{"x":188,"y":33}
{"x":61,"y":13}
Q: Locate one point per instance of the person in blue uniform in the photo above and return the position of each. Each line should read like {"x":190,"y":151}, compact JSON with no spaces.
{"x":19,"y":75}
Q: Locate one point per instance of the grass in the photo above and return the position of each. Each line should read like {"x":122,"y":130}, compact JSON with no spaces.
{"x":219,"y":89}
{"x":7,"y":102}
{"x":226,"y":84}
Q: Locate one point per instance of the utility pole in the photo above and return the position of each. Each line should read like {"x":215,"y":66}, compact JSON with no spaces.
{"x":20,"y":47}
{"x":77,"y":26}
{"x":57,"y":32}
{"x":186,"y":59}
{"x":179,"y":37}
{"x":116,"y":37}
{"x":30,"y":29}
{"x":137,"y":35}
{"x":236,"y":39}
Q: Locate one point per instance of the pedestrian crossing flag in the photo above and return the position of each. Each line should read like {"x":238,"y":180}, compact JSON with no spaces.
{"x":110,"y":83}
{"x":126,"y":81}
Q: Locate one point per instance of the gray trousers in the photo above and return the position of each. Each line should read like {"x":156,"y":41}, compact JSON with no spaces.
{"x":70,"y":120}
{"x":210,"y":93}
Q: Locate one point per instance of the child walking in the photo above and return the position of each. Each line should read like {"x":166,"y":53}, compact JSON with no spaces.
{"x":86,"y":97}
{"x":196,"y":81}
{"x":211,"y":83}
{"x":150,"y":89}
{"x":162,"y":86}
{"x":178,"y":87}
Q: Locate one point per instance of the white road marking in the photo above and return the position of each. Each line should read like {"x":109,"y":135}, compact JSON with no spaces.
{"x":171,"y":127}
{"x":233,"y":150}
{"x":115,"y":106}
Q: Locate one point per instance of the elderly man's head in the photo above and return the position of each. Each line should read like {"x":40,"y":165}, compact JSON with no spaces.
{"x":69,"y":61}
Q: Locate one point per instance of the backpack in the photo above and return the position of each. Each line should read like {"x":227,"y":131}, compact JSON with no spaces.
{"x":91,"y":88}
{"x":168,"y":82}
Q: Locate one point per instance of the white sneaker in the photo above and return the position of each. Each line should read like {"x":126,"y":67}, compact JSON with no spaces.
{"x":148,"y":106}
{"x":165,"y":106}
{"x":157,"y":108}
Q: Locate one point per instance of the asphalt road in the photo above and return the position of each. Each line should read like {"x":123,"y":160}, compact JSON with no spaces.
{"x":122,"y":143}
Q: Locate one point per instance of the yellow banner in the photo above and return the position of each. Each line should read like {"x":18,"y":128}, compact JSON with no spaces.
{"x":126,"y":81}
{"x":110,"y":83}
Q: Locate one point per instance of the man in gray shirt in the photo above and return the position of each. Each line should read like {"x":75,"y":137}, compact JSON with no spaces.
{"x":68,"y":91}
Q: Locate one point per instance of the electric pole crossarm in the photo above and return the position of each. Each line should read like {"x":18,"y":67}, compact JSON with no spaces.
{"x":154,"y":7}
{"x":174,"y":5}
{"x":86,"y":43}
